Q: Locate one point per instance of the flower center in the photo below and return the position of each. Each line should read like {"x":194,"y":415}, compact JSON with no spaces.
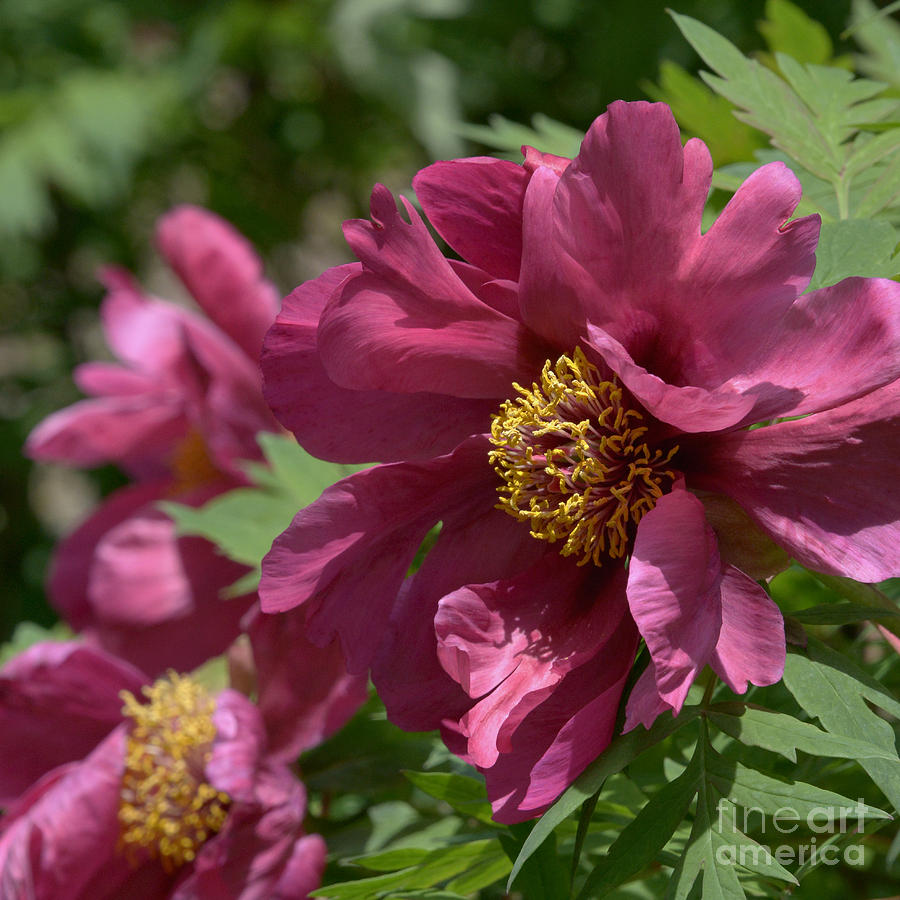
{"x":166,"y":805}
{"x":573,"y":461}
{"x":191,"y":464}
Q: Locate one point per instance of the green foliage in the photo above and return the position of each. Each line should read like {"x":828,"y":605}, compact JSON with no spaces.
{"x":545,"y":134}
{"x":244,"y":522}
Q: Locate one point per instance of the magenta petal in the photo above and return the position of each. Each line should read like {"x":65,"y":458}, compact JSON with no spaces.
{"x":303,"y":872}
{"x":566,"y":732}
{"x":751,"y":645}
{"x":377,"y":425}
{"x":476,"y":206}
{"x":239,"y":746}
{"x":644,"y":702}
{"x":408,"y":321}
{"x":346,"y":555}
{"x":101,"y":379}
{"x":416,"y":690}
{"x":135,"y":431}
{"x":826,"y":488}
{"x":58,"y":700}
{"x":222,"y":272}
{"x":673,"y":591}
{"x":511,"y":642}
{"x":688,"y":408}
{"x":304,"y":691}
{"x":832,"y":346}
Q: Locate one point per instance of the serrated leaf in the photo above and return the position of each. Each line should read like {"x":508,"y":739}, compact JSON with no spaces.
{"x":830,"y":687}
{"x":637,"y":845}
{"x":616,"y":756}
{"x":862,"y":247}
{"x":466,"y":795}
{"x":546,"y":134}
{"x":786,"y":735}
{"x":879,"y":36}
{"x":788,"y":29}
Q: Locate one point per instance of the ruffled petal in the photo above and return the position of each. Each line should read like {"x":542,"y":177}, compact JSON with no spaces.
{"x":644,"y":703}
{"x":751,"y":646}
{"x":826,"y":488}
{"x":476,"y":206}
{"x":222,"y":272}
{"x":239,"y":747}
{"x":408,"y":321}
{"x":832,"y":346}
{"x":673,"y":582}
{"x":58,"y":700}
{"x":373,"y":425}
{"x":346,"y":555}
{"x":416,"y":691}
{"x":689,"y":408}
{"x":304,"y":692}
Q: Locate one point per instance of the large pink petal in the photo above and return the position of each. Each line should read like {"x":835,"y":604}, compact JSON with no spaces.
{"x":688,"y":408}
{"x":644,"y":702}
{"x":751,"y":646}
{"x":476,"y":206}
{"x":222,"y":272}
{"x":103,"y":379}
{"x":475,"y":546}
{"x":304,"y":691}
{"x":510,"y":643}
{"x":58,"y":700}
{"x":826,"y":488}
{"x":552,"y":746}
{"x":351,"y":426}
{"x":831,"y":346}
{"x":673,"y":591}
{"x":137,"y":431}
{"x":408,"y":321}
{"x":239,"y":748}
{"x":346,"y":555}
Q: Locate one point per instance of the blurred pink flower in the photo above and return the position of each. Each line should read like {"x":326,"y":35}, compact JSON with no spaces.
{"x":598,"y":361}
{"x":178,"y":414}
{"x":177,"y":795}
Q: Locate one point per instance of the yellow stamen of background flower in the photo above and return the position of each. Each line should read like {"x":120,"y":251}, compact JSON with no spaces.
{"x":166,"y":806}
{"x":573,"y":462}
{"x":191,"y":464}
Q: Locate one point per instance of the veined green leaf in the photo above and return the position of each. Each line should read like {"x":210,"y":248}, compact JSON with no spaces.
{"x":466,"y":795}
{"x":864,"y":247}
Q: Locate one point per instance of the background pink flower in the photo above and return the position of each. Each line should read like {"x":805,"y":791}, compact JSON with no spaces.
{"x":179,"y":413}
{"x":646,"y":348}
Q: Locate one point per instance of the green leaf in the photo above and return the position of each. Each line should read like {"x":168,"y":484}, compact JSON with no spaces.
{"x":638,"y":844}
{"x":787,"y":29}
{"x":842,"y":614}
{"x":616,"y":756}
{"x":879,"y":36}
{"x":829,"y":686}
{"x":786,"y":735}
{"x":545,"y":134}
{"x":466,"y":795}
{"x":855,"y":247}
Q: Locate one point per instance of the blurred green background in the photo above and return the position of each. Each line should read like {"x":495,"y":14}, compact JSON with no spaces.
{"x":279,"y":116}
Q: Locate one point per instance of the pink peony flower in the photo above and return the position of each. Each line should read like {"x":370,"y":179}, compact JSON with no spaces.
{"x":178,"y":415}
{"x":573,"y":397}
{"x":178,"y":794}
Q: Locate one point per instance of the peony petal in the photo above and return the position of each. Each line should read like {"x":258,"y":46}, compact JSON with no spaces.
{"x":373,"y":425}
{"x":751,"y":645}
{"x":408,"y":320}
{"x":59,"y":700}
{"x":346,"y":555}
{"x":673,"y":582}
{"x":826,"y":488}
{"x":689,"y":408}
{"x":476,"y":206}
{"x":832,"y":346}
{"x":416,"y":690}
{"x":644,"y":702}
{"x":239,"y":747}
{"x":223,"y":273}
{"x":552,"y":746}
{"x":101,"y":379}
{"x":510,"y":643}
{"x":304,"y":691}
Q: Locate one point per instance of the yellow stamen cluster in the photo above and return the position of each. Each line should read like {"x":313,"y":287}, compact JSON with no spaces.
{"x":166,"y":805}
{"x":573,"y":462}
{"x":191,"y":464}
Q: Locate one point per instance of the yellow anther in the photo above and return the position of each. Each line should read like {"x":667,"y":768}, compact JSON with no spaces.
{"x":166,"y":806}
{"x":573,"y":462}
